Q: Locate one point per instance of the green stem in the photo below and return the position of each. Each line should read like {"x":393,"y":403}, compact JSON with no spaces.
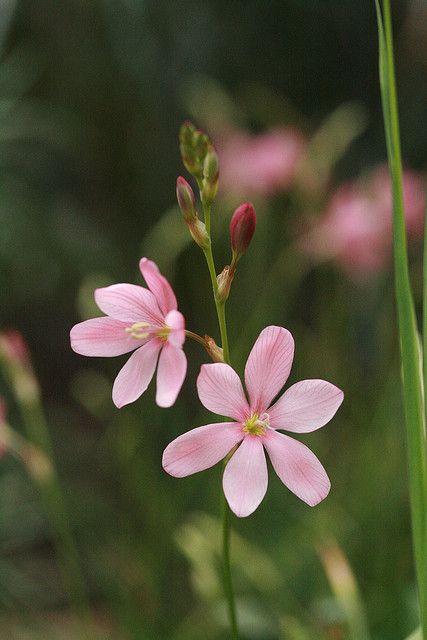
{"x":412,"y":376}
{"x":228,"y":582}
{"x":222,"y":322}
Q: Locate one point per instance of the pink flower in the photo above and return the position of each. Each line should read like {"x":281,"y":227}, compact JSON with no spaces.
{"x":356,"y":229}
{"x":304,"y":407}
{"x":146,"y":322}
{"x":260,"y":165}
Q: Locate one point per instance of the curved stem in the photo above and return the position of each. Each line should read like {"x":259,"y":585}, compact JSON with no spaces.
{"x":195,"y":337}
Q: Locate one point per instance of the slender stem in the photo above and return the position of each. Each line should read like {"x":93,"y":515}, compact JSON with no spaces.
{"x":228,"y":582}
{"x":223,"y":330}
{"x":222,"y":322}
{"x":412,"y":377}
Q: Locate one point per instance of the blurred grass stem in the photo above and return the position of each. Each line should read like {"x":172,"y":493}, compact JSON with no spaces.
{"x":42,"y":469}
{"x":409,"y":345}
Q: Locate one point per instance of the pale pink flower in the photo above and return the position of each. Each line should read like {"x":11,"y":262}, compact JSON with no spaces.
{"x":304,"y":407}
{"x":356,"y":229}
{"x":263,"y":164}
{"x":146,"y":322}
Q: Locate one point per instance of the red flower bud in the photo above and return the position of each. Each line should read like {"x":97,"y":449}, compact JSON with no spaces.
{"x":242,"y":228}
{"x":186,"y":199}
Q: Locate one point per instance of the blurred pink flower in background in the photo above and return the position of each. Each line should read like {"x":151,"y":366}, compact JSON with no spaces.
{"x":356,"y":229}
{"x":304,"y":407}
{"x":145,"y":321}
{"x":13,"y":346}
{"x":262,"y":164}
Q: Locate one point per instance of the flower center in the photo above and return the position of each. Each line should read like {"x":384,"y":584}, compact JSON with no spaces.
{"x":142,"y":330}
{"x":163,"y":333}
{"x":256,"y":425}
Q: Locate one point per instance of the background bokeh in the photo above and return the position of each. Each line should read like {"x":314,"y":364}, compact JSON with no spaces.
{"x":92,"y":94}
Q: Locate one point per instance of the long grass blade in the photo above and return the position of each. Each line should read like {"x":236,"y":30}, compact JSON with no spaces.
{"x":412,"y":378}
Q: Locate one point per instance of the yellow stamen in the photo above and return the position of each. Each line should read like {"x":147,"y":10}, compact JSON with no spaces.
{"x":255,"y":426}
{"x":135,"y":332}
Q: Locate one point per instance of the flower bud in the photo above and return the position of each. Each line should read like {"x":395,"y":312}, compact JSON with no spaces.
{"x":186,"y":200}
{"x":210,"y":175}
{"x":199,"y":234}
{"x":224,"y":281}
{"x":242,"y":228}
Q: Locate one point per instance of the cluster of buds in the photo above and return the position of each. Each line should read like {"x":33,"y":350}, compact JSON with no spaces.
{"x":200,"y":159}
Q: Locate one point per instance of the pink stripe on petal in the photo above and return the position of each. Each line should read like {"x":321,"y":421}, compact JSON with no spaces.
{"x":268,"y":366}
{"x":221,"y":391}
{"x":102,"y":337}
{"x":200,"y":448}
{"x":306,"y":406}
{"x":245,"y":477}
{"x":297,"y":467}
{"x":135,"y":376}
{"x":130,"y":303}
{"x":158,"y":284}
{"x":170,"y":374}
{"x":175,"y":320}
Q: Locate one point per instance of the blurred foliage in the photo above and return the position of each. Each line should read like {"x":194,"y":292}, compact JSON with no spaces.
{"x":91,"y":98}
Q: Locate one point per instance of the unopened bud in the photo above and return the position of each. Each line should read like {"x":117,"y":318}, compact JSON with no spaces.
{"x":186,"y":133}
{"x":199,"y":234}
{"x":201,"y":143}
{"x":215,"y":352}
{"x":224,"y":281}
{"x":186,"y":199}
{"x":242,"y":229}
{"x":210,"y":175}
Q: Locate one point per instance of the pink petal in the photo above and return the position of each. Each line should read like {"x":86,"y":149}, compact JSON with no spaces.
{"x":306,"y":406}
{"x":175,"y":320}
{"x":200,"y":448}
{"x":297,"y":467}
{"x":135,"y":376}
{"x":102,"y":337}
{"x":220,"y":391}
{"x":130,"y":303}
{"x":268,"y":366}
{"x":245,"y":477}
{"x":170,"y":374}
{"x":158,"y":285}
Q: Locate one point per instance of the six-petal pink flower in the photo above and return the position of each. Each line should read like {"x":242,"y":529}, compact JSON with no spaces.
{"x":145,"y":321}
{"x":304,"y":407}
